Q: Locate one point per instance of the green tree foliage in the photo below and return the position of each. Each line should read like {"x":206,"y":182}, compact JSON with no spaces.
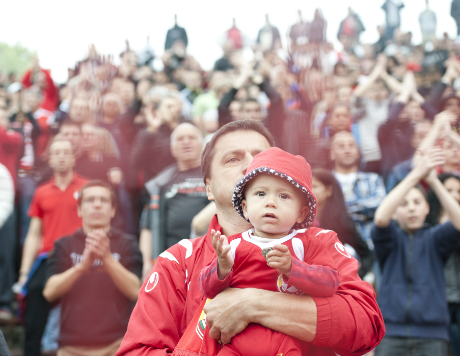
{"x":15,"y":58}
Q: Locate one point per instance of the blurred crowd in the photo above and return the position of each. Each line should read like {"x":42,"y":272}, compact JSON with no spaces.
{"x":361,"y":115}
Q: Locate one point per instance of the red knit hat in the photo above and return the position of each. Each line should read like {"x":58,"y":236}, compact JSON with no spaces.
{"x":284,"y":165}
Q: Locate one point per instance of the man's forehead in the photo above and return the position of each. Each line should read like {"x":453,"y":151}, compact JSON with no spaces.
{"x":241,"y":140}
{"x":96,"y":191}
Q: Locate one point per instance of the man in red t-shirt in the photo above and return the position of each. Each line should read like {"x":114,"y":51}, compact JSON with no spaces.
{"x":54,"y":214}
{"x":348,"y":323}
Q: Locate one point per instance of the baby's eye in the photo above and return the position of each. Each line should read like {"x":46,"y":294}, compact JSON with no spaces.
{"x":284,"y":196}
{"x":260,"y":194}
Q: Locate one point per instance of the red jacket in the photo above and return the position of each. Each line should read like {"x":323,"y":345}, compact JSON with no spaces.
{"x":10,"y":148}
{"x":50,"y":94}
{"x":349,"y":323}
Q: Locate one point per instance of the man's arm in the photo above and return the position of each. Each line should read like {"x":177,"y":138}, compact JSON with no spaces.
{"x":60,"y":283}
{"x":31,"y":248}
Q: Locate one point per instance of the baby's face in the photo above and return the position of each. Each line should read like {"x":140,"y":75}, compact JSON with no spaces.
{"x":273,"y":205}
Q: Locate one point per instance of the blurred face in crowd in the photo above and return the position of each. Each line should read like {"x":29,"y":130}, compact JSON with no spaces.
{"x":414,"y":111}
{"x":321,"y":192}
{"x":412,"y":211}
{"x":340,"y":118}
{"x":111,"y":105}
{"x":61,"y":158}
{"x":193,"y":80}
{"x":451,"y":152}
{"x":344,"y":150}
{"x":170,"y":109}
{"x":40,"y":80}
{"x":186,"y":145}
{"x":96,"y":208}
{"x":452,"y":185}
{"x":235,"y":108}
{"x":72,"y":133}
{"x":127,"y":92}
{"x":91,"y":137}
{"x":79,"y":110}
{"x":344,"y":94}
{"x":377,"y":91}
{"x":32,"y":99}
{"x":453,"y":105}
{"x":250,"y":110}
{"x":233,"y":153}
{"x":421,"y":129}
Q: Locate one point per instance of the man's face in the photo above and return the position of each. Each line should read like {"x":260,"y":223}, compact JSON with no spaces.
{"x":453,"y":187}
{"x":90,"y":137}
{"x":251,"y":111}
{"x":340,"y":119}
{"x":233,"y":153}
{"x":96,"y":208}
{"x":377,"y":92}
{"x":61,"y":158}
{"x":235,"y":109}
{"x":187,"y":145}
{"x":79,"y":111}
{"x":110,"y":107}
{"x":344,"y":151}
{"x":72,"y":134}
{"x":412,"y":211}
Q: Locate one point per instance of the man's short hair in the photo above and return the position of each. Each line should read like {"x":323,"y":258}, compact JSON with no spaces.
{"x":249,"y":100}
{"x":59,"y":138}
{"x":241,"y":125}
{"x":97,"y":183}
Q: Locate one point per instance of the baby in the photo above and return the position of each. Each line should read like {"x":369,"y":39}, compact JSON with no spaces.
{"x":279,"y":254}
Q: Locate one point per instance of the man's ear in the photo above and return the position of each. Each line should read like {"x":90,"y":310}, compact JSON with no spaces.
{"x":245,"y":208}
{"x":112,"y":213}
{"x":208,"y":189}
{"x":303,"y":214}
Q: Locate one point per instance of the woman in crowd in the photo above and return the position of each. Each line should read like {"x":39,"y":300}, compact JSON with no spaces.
{"x":330,"y":199}
{"x":452,"y":270}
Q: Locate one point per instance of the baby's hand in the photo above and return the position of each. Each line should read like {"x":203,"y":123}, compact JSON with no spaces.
{"x":224,"y":254}
{"x":280,"y":259}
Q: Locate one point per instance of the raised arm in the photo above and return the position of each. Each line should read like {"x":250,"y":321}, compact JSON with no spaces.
{"x":424,"y":165}
{"x":375,"y":74}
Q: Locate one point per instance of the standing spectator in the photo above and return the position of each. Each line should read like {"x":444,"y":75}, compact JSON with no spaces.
{"x":428,"y":22}
{"x":412,"y":258}
{"x":455,"y":13}
{"x":268,"y":37}
{"x":175,"y":34}
{"x":10,"y":146}
{"x":370,"y":108}
{"x":54,"y":214}
{"x":393,"y":18}
{"x":7,"y":242}
{"x":95,"y":273}
{"x":351,"y":27}
{"x":363,"y":192}
{"x":177,"y":195}
{"x":439,"y":216}
{"x":317,"y":28}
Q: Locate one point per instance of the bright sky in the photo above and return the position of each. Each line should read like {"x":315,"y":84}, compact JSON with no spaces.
{"x":61,"y":31}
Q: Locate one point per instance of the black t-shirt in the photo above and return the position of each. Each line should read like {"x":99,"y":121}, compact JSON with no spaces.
{"x":183,"y":197}
{"x":96,"y":169}
{"x":94,"y":311}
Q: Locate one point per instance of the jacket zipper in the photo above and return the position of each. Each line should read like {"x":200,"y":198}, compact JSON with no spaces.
{"x":410,"y":284}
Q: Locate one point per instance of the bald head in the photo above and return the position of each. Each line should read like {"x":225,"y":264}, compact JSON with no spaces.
{"x":186,"y":146}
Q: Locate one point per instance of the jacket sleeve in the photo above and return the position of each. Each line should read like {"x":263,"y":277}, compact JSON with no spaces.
{"x":153,"y":328}
{"x":350,"y":322}
{"x":223,"y":109}
{"x":384,"y":239}
{"x":317,"y":276}
{"x":210,"y":284}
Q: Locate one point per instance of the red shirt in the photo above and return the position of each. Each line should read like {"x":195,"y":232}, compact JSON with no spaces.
{"x":349,"y":323}
{"x":57,"y":209}
{"x":10,"y":148}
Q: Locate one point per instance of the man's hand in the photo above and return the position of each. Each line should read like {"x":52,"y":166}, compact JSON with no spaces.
{"x":280,"y":259}
{"x":99,"y":244}
{"x":224,"y":254}
{"x":88,"y":258}
{"x":115,"y":176}
{"x":228,"y":314}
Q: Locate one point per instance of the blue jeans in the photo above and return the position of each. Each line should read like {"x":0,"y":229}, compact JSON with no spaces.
{"x":52,"y":328}
{"x":409,"y":346}
{"x":26,"y":188}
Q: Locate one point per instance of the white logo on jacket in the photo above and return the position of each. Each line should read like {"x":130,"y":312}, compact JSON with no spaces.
{"x":152,"y":282}
{"x":342,"y":250}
